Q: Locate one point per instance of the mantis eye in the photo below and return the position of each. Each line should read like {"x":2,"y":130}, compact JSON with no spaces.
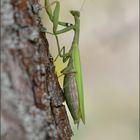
{"x":68,"y":24}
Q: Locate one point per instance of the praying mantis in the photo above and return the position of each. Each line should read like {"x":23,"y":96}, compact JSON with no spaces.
{"x":73,"y":82}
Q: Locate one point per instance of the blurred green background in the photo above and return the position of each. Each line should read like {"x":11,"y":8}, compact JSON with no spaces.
{"x":109,"y":46}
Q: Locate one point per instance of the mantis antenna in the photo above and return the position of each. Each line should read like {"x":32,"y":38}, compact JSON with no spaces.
{"x":83,"y":3}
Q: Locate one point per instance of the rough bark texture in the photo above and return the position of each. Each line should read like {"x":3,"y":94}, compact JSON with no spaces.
{"x":31,"y":96}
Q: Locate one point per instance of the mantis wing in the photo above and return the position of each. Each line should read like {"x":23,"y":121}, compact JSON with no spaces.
{"x":79,"y":80}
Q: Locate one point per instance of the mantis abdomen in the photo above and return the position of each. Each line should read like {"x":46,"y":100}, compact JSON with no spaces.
{"x":71,"y":97}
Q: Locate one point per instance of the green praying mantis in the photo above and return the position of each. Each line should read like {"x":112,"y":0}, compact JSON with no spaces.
{"x":73,"y":83}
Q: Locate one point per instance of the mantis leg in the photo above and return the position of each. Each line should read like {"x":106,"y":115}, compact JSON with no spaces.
{"x":67,"y":73}
{"x":65,"y":55}
{"x":69,"y":69}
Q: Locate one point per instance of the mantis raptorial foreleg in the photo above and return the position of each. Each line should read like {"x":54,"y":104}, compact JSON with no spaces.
{"x":54,"y":17}
{"x":64,"y":55}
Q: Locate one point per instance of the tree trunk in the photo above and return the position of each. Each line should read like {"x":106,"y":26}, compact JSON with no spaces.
{"x":31,"y":98}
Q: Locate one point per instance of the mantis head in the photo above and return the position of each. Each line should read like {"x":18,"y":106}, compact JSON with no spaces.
{"x":75,"y":13}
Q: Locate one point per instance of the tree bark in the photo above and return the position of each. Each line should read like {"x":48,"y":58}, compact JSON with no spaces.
{"x":31,"y":97}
